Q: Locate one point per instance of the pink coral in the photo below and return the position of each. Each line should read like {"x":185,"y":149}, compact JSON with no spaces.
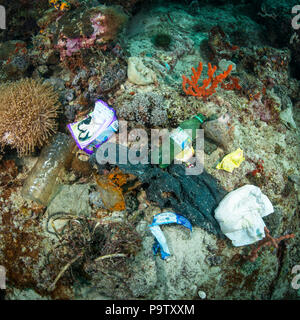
{"x":268,"y":240}
{"x":99,"y":28}
{"x":68,"y":46}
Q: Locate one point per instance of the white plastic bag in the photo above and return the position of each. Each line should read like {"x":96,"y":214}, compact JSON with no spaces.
{"x":240,"y":215}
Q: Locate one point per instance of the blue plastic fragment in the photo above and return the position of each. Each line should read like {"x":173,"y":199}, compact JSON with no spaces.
{"x":160,"y":240}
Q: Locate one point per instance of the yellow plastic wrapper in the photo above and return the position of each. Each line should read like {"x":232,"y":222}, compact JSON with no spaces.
{"x":185,"y":155}
{"x":231,"y":161}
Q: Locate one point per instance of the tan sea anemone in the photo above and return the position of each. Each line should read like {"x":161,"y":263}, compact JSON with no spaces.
{"x":28,"y":109}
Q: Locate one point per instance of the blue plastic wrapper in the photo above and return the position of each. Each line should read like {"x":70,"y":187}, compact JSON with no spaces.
{"x":160,"y":240}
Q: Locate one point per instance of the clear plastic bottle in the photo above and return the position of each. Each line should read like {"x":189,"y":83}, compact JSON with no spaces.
{"x":41,"y":184}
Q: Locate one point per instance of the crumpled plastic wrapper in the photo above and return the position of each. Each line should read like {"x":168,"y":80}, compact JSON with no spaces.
{"x":240,"y":215}
{"x":160,"y":240}
{"x":231,"y":161}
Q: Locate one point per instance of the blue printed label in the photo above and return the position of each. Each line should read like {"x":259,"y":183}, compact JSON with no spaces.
{"x":160,"y":240}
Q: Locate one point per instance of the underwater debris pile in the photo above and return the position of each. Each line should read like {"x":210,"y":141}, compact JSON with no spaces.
{"x":93,"y":238}
{"x":87,"y":247}
{"x":174,"y":189}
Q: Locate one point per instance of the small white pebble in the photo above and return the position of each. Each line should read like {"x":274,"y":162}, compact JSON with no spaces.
{"x":201,"y":294}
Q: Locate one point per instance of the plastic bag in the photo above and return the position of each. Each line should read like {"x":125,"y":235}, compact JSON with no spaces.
{"x":231,"y":161}
{"x":240,"y":215}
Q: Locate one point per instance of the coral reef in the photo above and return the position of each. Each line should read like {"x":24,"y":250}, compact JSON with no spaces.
{"x":59,"y":5}
{"x":92,"y":241}
{"x":147,"y":109}
{"x":82,"y":29}
{"x":28,"y":109}
{"x":15,"y":60}
{"x":138,"y":73}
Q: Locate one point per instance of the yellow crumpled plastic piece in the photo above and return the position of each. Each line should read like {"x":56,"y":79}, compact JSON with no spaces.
{"x":231,"y":161}
{"x":185,"y":155}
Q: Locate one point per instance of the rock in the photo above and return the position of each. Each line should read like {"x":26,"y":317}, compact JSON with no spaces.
{"x":145,"y":275}
{"x":148,"y":109}
{"x":81,"y":167}
{"x":201,"y":294}
{"x":7,"y":49}
{"x":57,"y":83}
{"x":286,"y":117}
{"x":295,"y":179}
{"x":128,"y":5}
{"x":138,"y":73}
{"x":72,"y":199}
{"x":70,"y":112}
{"x":187,"y":271}
{"x":224,"y":64}
{"x":209,"y":147}
{"x":219,"y":131}
{"x":29,"y":294}
{"x":95,"y":199}
{"x":113,"y":76}
{"x":17,"y":67}
{"x":42,"y":70}
{"x":83,"y":27}
{"x":51,"y":57}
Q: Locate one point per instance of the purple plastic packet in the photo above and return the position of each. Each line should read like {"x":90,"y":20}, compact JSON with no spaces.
{"x":103,"y":137}
{"x":84,"y":132}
